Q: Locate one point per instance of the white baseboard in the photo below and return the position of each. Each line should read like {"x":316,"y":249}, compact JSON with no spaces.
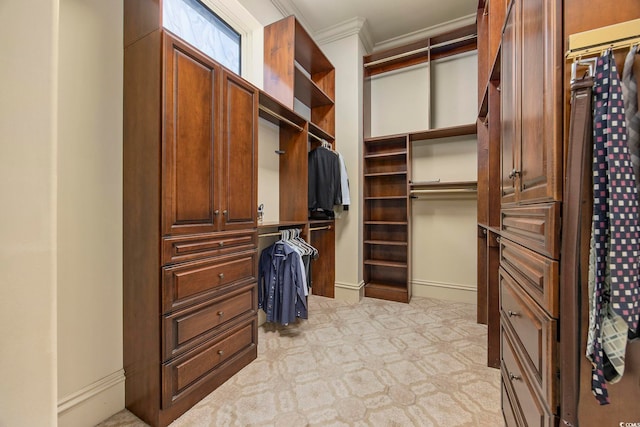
{"x":93,"y":403}
{"x":447,"y":291}
{"x":350,"y":292}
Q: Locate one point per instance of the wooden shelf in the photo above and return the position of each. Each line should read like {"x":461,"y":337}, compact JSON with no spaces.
{"x":308,"y":92}
{"x":372,"y":175}
{"x":469,"y":129}
{"x":390,"y":154}
{"x":307,"y":53}
{"x":320,"y":133}
{"x":275,"y":112}
{"x":444,"y":185}
{"x":400,"y":138}
{"x":385,"y":198}
{"x":385,"y":243}
{"x":385,"y":222}
{"x":381,"y":263}
{"x":389,"y":291}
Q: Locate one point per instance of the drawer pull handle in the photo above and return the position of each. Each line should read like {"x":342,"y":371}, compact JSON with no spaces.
{"x":514,"y":377}
{"x":513,"y":313}
{"x":221,"y":313}
{"x":221,"y":275}
{"x":221,"y":244}
{"x":220,"y":352}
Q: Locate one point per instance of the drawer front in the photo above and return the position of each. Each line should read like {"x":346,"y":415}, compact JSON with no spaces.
{"x":188,"y":328}
{"x":189,"y":248}
{"x":209,"y":366}
{"x":507,"y":409}
{"x":190,"y":283}
{"x":534,"y":333}
{"x":537,"y":274}
{"x":534,"y":227}
{"x":526,"y":404}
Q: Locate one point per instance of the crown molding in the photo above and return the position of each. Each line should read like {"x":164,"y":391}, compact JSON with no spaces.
{"x":286,"y":8}
{"x":425,"y":33}
{"x":350,"y":27}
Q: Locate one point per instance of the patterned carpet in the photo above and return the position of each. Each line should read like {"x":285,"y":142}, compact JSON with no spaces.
{"x":376,"y":363}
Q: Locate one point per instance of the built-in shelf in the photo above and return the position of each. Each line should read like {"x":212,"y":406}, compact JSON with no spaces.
{"x":378,"y":174}
{"x":381,"y":263}
{"x":385,"y":242}
{"x":467,"y":129}
{"x":275,"y":112}
{"x":390,"y":154}
{"x":385,"y":223}
{"x":386,"y":197}
{"x":308,"y":92}
{"x":320,"y":133}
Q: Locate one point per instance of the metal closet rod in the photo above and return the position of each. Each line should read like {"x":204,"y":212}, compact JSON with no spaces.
{"x":420,"y":50}
{"x":279,"y":117}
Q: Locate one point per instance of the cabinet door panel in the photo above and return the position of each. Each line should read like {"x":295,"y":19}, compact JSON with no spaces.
{"x":239,"y":196}
{"x":510,"y":106}
{"x":540,"y":146}
{"x":189,"y":139}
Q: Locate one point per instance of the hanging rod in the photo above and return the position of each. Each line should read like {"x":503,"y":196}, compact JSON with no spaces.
{"x":617,"y":36}
{"x":279,"y":117}
{"x":327,"y":227}
{"x":317,"y":137}
{"x":269,"y":234}
{"x":420,"y":50}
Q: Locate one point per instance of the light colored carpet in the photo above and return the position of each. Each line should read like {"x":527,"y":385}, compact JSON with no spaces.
{"x":376,"y":363}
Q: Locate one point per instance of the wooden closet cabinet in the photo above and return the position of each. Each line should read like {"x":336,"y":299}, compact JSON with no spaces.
{"x":189,"y":214}
{"x":209,"y":162}
{"x":531,"y":92}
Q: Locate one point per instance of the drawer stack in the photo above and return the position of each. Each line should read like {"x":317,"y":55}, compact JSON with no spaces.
{"x":209,"y":303}
{"x":528,"y":278}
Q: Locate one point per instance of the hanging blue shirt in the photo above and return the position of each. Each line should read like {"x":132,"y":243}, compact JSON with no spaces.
{"x":280,"y":285}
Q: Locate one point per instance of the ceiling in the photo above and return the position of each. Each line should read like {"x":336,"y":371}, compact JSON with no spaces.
{"x":387,"y":19}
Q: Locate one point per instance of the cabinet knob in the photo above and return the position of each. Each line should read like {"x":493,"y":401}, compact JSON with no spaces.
{"x":216,"y":212}
{"x":221,"y":275}
{"x":513,"y":313}
{"x":221,"y":313}
{"x":514,"y":173}
{"x":225,"y":213}
{"x":221,"y":244}
{"x":514,"y":377}
{"x":220,"y":352}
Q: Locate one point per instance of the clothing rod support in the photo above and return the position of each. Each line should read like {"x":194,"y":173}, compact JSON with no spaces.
{"x":279,"y":117}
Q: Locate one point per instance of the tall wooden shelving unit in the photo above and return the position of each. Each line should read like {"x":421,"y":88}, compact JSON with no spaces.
{"x":296,"y":72}
{"x":387,"y":174}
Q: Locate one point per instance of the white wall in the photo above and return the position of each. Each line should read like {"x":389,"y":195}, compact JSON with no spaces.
{"x":91,"y":379}
{"x":28,"y":84}
{"x":346,"y":56}
{"x":400,"y":101}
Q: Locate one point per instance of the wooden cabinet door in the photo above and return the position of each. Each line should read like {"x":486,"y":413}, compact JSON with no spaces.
{"x":189,"y":140}
{"x":239,"y":158}
{"x":541,"y":58}
{"x":510,"y":106}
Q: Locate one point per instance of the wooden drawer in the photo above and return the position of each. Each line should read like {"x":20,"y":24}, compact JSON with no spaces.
{"x":534,"y":335}
{"x":538,"y":275}
{"x":189,"y":248}
{"x":203,"y":369}
{"x":507,"y":409}
{"x":536,"y":227}
{"x":188,"y":328}
{"x":190,"y":283}
{"x":527,"y":407}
